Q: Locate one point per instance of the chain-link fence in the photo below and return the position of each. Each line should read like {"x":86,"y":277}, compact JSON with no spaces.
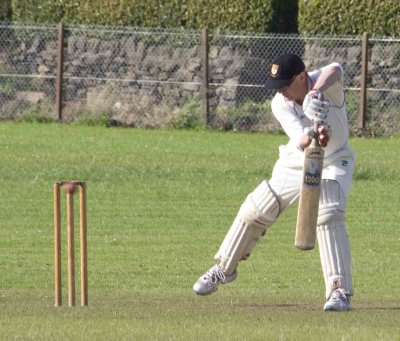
{"x":178,"y":78}
{"x":27,"y":69}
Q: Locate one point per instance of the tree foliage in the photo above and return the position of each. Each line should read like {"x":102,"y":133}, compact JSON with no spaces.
{"x":378,"y":17}
{"x":238,"y":15}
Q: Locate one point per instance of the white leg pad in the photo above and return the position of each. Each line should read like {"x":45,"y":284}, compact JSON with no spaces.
{"x":334,"y":245}
{"x":256,"y":215}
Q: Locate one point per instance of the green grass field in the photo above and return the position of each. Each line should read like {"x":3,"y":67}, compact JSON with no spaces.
{"x":159,"y":204}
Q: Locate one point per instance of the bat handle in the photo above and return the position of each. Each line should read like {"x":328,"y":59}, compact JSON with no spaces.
{"x":315,"y":141}
{"x":315,"y":129}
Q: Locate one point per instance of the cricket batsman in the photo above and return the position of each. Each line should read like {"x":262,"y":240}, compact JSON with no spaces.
{"x":303,"y":99}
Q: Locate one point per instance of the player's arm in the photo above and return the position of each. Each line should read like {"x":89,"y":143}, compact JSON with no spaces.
{"x":288,"y":119}
{"x":329,"y":76}
{"x":329,"y":81}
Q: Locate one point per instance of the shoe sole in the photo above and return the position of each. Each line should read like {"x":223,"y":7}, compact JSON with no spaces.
{"x":205,"y":293}
{"x":333,"y":309}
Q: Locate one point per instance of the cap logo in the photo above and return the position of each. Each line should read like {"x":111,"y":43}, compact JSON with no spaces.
{"x":274,"y":70}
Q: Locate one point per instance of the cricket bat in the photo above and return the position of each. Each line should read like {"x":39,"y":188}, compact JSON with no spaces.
{"x":307,"y":215}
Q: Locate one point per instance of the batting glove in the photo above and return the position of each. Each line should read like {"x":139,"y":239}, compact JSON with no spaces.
{"x":323,"y":134}
{"x":315,"y":108}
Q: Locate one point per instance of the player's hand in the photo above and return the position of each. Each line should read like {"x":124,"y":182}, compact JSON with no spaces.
{"x":315,"y":107}
{"x":306,"y":138}
{"x":323,"y":134}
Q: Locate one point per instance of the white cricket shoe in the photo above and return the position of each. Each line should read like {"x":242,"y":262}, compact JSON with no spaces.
{"x":209,"y":282}
{"x":338,"y":301}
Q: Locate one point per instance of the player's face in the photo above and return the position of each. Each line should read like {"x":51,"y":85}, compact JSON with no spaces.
{"x":296,"y":89}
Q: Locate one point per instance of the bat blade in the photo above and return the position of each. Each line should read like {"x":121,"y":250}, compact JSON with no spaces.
{"x":307,"y":214}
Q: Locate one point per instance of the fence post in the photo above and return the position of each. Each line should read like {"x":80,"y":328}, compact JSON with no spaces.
{"x":204,"y":48}
{"x":60,"y":62}
{"x":364,"y":79}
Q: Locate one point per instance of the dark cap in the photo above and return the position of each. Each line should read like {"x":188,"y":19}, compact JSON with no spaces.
{"x":282,"y":70}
